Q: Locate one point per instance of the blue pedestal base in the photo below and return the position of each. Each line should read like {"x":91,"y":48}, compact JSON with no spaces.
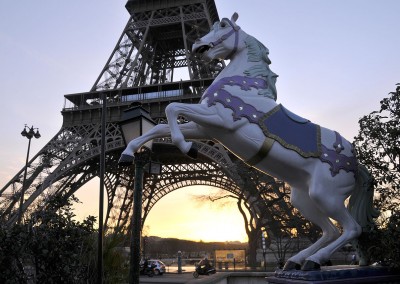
{"x":336,"y":275}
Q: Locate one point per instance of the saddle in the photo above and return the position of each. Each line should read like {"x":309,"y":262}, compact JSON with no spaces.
{"x":292,"y":131}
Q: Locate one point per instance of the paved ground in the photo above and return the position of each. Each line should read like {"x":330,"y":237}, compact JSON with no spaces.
{"x":174,"y":278}
{"x":187,"y":278}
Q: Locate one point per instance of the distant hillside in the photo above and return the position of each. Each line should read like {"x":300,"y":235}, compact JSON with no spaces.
{"x":157,"y":247}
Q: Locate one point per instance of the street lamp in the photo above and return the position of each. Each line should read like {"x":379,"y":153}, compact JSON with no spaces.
{"x":264,"y":249}
{"x":101,"y":189}
{"x":135,"y":122}
{"x":28,"y":132}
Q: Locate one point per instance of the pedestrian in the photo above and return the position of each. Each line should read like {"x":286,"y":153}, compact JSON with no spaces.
{"x":353,"y":260}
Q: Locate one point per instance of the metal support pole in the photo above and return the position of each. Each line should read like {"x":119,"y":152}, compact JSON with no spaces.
{"x":265,"y":261}
{"x":179,"y":262}
{"x":21,"y":202}
{"x":101,"y":190}
{"x":28,"y":134}
{"x":141,"y":159}
{"x":264,"y":248}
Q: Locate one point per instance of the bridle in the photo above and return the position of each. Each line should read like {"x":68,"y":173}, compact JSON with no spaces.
{"x":234,"y":30}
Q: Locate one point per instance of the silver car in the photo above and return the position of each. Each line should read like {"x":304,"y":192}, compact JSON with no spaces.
{"x":159,"y":266}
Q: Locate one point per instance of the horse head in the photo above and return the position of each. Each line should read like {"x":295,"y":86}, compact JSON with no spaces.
{"x":222,"y":42}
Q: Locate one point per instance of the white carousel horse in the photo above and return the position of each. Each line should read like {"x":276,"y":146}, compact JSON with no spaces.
{"x":239,"y":111}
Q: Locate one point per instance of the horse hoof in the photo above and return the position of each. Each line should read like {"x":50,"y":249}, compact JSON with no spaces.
{"x":310,"y":265}
{"x":290,"y":265}
{"x":193,"y":151}
{"x":125,"y":160}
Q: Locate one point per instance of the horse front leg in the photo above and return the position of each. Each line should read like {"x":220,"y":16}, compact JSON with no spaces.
{"x":190,"y":131}
{"x":199,"y":113}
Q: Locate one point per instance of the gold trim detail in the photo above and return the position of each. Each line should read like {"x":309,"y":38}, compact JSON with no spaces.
{"x":315,"y":154}
{"x":262,"y":153}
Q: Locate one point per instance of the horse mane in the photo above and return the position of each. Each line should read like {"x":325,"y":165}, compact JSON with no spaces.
{"x":257,"y":52}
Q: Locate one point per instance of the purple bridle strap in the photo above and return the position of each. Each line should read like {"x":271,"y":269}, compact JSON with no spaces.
{"x":234,"y":30}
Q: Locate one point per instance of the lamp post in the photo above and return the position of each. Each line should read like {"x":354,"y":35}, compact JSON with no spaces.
{"x":101,"y":189}
{"x":141,"y":159}
{"x":135,"y":122}
{"x":264,"y":250}
{"x":27,"y":132}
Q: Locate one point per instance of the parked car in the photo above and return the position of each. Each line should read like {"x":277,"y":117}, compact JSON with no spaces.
{"x":159,"y":266}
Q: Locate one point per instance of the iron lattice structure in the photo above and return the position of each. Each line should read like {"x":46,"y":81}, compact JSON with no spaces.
{"x":154,"y":45}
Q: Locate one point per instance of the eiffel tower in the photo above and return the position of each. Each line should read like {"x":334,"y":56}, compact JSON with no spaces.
{"x":154,"y":47}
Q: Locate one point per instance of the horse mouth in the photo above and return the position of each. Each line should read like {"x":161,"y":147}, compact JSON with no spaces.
{"x":202,"y":49}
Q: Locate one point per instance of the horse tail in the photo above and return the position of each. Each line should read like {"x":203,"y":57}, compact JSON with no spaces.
{"x":361,"y":205}
{"x":362,"y":209}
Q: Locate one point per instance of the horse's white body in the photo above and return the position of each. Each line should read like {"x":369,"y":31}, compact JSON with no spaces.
{"x":315,"y":192}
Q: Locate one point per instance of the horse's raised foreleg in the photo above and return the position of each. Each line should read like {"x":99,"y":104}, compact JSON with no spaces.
{"x":190,"y":130}
{"x":201,"y":114}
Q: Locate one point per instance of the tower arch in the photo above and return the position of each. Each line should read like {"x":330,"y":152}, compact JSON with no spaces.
{"x":156,"y":41}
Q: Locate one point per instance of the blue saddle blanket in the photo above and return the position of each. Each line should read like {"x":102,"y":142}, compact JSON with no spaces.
{"x":292,"y":131}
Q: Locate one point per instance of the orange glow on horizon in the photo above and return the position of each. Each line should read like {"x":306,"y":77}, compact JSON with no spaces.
{"x":179,"y":215}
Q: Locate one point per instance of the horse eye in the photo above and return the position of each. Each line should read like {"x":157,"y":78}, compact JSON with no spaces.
{"x":223,"y":25}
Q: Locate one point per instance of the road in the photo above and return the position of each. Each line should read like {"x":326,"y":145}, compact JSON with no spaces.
{"x":187,"y":278}
{"x":172,"y":278}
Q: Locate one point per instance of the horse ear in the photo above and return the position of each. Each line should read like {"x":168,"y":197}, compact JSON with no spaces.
{"x":234,"y":17}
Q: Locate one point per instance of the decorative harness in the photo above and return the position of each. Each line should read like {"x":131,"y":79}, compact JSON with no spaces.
{"x":234,"y":30}
{"x":217,"y":94}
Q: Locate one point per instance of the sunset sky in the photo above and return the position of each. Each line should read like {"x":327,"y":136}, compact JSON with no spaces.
{"x":336,"y":59}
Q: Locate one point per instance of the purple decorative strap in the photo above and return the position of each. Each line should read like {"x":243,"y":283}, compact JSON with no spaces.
{"x":234,"y":30}
{"x":222,"y":38}
{"x":216,"y":94}
{"x":338,"y":161}
{"x":338,"y":143}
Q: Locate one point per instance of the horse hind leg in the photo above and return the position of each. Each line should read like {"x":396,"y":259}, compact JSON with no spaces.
{"x":331,"y":201}
{"x":301,"y":200}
